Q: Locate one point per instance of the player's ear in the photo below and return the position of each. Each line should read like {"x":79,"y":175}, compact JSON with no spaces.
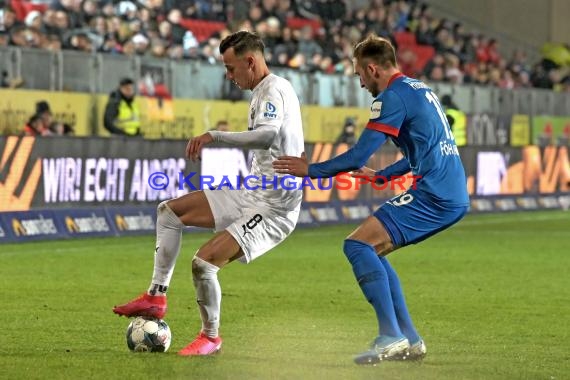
{"x":373,"y":70}
{"x":250,"y":62}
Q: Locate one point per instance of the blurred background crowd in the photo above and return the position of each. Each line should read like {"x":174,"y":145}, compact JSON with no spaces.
{"x":312,"y":36}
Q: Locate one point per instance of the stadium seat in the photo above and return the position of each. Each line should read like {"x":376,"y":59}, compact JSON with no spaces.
{"x":22,"y":8}
{"x":405,"y":39}
{"x":202,"y":30}
{"x":424,"y":54}
{"x":299,"y":23}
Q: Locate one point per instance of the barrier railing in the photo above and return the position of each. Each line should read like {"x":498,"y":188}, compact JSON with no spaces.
{"x":191,"y":79}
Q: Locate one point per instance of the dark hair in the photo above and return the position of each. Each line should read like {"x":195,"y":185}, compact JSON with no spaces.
{"x":42,"y":106}
{"x":376,"y":49}
{"x":242,"y":42}
{"x":126,"y":81}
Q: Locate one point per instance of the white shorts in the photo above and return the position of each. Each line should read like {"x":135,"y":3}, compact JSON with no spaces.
{"x":256,"y":227}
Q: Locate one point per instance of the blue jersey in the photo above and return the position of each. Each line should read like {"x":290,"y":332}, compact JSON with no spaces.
{"x":410,"y":113}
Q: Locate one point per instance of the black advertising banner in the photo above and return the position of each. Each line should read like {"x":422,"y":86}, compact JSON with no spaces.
{"x":70,"y":172}
{"x":485,"y":129}
{"x":60,"y":173}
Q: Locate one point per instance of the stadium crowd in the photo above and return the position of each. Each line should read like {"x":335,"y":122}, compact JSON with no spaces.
{"x":301,"y":34}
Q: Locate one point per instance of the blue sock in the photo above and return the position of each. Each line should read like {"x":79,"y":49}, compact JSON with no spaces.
{"x":404,"y":319}
{"x":373,"y":281}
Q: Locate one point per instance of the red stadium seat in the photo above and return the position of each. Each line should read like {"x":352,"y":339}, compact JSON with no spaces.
{"x":414,"y":64}
{"x":424,"y":55}
{"x":202,"y":30}
{"x":22,"y":8}
{"x":299,"y":23}
{"x":405,"y":38}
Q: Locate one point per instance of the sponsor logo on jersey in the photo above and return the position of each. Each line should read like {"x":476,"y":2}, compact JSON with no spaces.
{"x":375,"y":109}
{"x":270,"y":111}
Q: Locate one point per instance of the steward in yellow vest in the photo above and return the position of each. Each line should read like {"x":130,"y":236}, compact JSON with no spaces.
{"x":122,"y":116}
{"x":457,"y":120}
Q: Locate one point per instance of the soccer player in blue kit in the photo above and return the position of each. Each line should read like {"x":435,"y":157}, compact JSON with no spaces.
{"x":408,"y":112}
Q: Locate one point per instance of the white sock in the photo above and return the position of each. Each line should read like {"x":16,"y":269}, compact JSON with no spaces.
{"x":208,"y":295}
{"x":168,"y":239}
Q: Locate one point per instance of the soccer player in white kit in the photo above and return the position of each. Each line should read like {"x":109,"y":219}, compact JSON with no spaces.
{"x":247,"y":222}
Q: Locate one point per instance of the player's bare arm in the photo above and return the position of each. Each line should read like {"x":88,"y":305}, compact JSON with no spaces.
{"x":195,"y":145}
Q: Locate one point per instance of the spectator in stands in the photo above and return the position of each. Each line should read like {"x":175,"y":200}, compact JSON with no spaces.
{"x":565,"y":84}
{"x":453,"y":72}
{"x":88,"y":12}
{"x":8,"y":82}
{"x":122,"y":116}
{"x":39,"y":123}
{"x":34,"y":21}
{"x":456,"y":118}
{"x":178,"y":31}
{"x":221,"y":125}
{"x":61,"y":129}
{"x":35,"y":127}
{"x":307,"y":46}
{"x":8,"y":19}
{"x":43,"y":111}
{"x":5,"y":80}
{"x":424,"y":33}
{"x":347,"y":136}
{"x":332,"y":27}
{"x":4,"y":38}
{"x":81,"y":42}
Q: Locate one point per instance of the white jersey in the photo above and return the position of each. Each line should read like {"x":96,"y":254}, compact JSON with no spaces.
{"x":265,"y":209}
{"x":274,"y":103}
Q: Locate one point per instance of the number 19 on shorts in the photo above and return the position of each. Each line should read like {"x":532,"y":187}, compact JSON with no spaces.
{"x":402,"y":199}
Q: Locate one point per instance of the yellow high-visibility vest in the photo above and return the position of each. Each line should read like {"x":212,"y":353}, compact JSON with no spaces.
{"x":459,"y":126}
{"x":128,"y":118}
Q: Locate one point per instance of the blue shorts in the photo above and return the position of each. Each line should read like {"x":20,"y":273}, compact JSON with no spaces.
{"x":410,"y":217}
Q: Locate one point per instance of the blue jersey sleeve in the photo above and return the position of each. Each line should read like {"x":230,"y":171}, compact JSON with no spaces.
{"x":352,"y":159}
{"x":387,"y":113}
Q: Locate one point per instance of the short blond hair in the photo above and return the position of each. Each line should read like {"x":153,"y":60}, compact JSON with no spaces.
{"x":376,"y":49}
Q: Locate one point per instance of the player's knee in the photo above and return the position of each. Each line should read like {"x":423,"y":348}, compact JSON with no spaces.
{"x":202,"y":269}
{"x":346,"y":247}
{"x":162,"y":209}
{"x":166,"y":217}
{"x":351,"y":248}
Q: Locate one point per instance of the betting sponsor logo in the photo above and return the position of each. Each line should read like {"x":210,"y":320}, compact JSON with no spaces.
{"x":85,"y":225}
{"x":138,"y":222}
{"x":34,"y":227}
{"x":356,"y":212}
{"x":375,"y":109}
{"x":324,"y":214}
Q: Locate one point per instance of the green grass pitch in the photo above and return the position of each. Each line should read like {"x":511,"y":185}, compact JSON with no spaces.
{"x":490,"y":296}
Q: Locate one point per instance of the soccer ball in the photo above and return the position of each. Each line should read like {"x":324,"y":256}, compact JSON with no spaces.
{"x":146,"y":334}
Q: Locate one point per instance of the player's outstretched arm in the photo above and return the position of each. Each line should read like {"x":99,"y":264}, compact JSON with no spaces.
{"x":259,"y":138}
{"x":352,"y":159}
